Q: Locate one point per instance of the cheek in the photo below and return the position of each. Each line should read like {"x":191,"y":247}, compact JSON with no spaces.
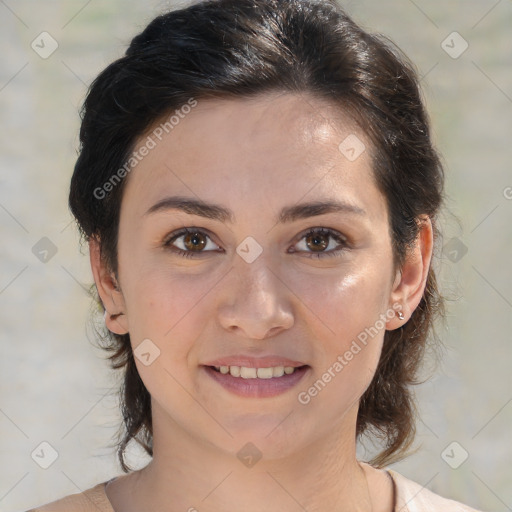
{"x":164,"y":305}
{"x":344,"y":301}
{"x":348,"y":349}
{"x":169,"y":310}
{"x":159,"y":294}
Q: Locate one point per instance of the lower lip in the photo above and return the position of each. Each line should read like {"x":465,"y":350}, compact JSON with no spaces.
{"x":257,"y":388}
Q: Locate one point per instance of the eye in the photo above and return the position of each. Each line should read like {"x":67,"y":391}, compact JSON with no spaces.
{"x":193,"y":243}
{"x":319,"y":240}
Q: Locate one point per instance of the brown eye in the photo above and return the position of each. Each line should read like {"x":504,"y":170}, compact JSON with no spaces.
{"x":322,"y":242}
{"x":194,"y":241}
{"x":191,"y":242}
{"x":318,"y":242}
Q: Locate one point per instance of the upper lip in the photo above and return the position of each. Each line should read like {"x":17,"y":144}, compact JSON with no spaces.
{"x":254,"y":362}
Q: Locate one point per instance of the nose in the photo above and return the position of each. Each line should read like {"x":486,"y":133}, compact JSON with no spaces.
{"x":255,"y":302}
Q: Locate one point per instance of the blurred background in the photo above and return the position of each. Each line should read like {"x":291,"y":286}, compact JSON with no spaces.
{"x":58,"y":406}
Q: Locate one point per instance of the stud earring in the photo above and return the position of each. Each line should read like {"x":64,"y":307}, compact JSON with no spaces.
{"x":400,"y":315}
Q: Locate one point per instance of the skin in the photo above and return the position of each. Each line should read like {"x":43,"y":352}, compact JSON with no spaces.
{"x":256,"y":156}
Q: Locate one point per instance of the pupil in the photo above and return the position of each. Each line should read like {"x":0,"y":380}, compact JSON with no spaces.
{"x":317,"y":239}
{"x":193,"y":241}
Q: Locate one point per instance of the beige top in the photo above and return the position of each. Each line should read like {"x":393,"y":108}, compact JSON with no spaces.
{"x":409,"y":497}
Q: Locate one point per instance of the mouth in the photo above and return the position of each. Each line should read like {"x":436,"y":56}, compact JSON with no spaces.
{"x":247,"y":372}
{"x":256,"y":382}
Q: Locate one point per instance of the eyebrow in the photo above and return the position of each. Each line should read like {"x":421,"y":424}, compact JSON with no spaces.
{"x":286,"y":215}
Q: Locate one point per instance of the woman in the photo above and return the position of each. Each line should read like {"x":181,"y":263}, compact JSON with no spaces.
{"x":259,"y":191}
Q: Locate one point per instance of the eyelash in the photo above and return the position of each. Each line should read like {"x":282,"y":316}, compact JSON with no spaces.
{"x":314,"y":231}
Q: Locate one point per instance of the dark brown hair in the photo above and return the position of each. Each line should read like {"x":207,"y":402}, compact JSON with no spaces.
{"x":242,"y":48}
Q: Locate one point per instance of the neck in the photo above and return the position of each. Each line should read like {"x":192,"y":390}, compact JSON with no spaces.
{"x":188,"y":473}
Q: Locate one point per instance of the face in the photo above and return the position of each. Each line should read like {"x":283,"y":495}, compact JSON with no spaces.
{"x":259,"y":279}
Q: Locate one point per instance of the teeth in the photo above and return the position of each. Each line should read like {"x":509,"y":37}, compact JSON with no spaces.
{"x":256,"y":373}
{"x":235,"y":371}
{"x":278,"y":371}
{"x":247,"y":373}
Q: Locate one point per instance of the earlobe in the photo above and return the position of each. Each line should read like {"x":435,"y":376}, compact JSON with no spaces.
{"x":108,"y":290}
{"x":411,"y":279}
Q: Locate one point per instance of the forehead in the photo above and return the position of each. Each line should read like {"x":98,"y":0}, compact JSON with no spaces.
{"x":267,"y":149}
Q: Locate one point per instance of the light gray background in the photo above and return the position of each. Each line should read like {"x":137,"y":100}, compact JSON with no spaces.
{"x":56,"y":387}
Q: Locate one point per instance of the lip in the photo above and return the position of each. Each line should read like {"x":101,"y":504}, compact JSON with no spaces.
{"x":257,"y":388}
{"x":254,"y":362}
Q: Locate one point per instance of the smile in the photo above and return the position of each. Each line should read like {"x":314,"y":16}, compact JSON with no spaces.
{"x":256,"y":373}
{"x":257,"y":382}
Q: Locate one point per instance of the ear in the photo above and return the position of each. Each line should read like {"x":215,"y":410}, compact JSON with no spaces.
{"x":109,"y":291}
{"x":411,"y":279}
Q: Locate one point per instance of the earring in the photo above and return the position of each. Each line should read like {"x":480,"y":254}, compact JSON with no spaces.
{"x":400,"y":315}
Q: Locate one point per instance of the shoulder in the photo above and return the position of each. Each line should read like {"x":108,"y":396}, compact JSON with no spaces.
{"x":413,"y":497}
{"x":91,"y":500}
